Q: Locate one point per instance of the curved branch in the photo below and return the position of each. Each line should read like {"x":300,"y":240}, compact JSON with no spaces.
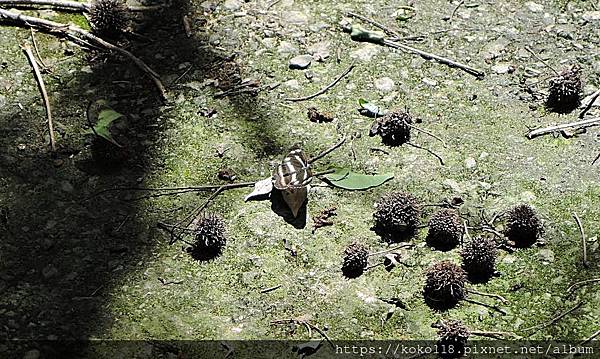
{"x":80,"y":36}
{"x":63,"y":4}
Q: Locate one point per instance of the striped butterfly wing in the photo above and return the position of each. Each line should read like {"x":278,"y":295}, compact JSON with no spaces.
{"x":293,"y":172}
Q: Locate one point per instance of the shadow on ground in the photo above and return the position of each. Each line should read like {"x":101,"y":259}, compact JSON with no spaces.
{"x":63,"y":247}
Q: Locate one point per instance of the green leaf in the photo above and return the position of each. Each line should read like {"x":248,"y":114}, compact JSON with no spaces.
{"x":339,"y":174}
{"x":346,"y":179}
{"x":102,"y":128}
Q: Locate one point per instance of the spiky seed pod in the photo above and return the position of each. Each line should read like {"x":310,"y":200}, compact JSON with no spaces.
{"x":393,"y":128}
{"x":355,"y":260}
{"x":523,"y":225}
{"x":396,"y":216}
{"x":209,"y":236}
{"x":452,"y":338}
{"x":565,"y":91}
{"x":108,"y":17}
{"x":444,"y":285}
{"x":445,"y":229}
{"x":479,"y":257}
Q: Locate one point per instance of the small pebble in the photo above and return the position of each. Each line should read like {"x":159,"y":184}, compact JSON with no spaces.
{"x":385,"y":84}
{"x":534,"y":7}
{"x":429,"y":82}
{"x":300,"y":62}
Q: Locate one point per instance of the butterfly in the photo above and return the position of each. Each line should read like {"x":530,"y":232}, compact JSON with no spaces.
{"x":292,"y":177}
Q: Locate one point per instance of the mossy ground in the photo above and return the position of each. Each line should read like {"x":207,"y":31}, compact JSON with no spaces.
{"x":106,"y":254}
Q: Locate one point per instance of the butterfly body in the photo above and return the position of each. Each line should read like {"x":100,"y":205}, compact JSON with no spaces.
{"x":292,"y":177}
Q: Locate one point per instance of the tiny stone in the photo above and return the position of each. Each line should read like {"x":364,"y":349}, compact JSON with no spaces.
{"x":591,"y":15}
{"x":292,"y":84}
{"x":546,"y":255}
{"x":502,"y":68}
{"x":232,"y":5}
{"x":534,"y":7}
{"x":509,"y":259}
{"x":385,"y":84}
{"x":470,"y":162}
{"x":300,"y":62}
{"x":365,"y":52}
{"x":286,"y":47}
{"x":295,"y":17}
{"x":429,"y":82}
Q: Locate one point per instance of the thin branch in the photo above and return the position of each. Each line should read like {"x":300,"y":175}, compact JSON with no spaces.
{"x":455,"y":10}
{"x":590,"y":104}
{"x":403,"y":245}
{"x":189,"y":219}
{"x":428,"y":150}
{"x":596,"y":158}
{"x":590,"y":338}
{"x":80,"y":36}
{"x":40,"y":82}
{"x":576,"y":125}
{"x":494,"y":335}
{"x":317,"y":174}
{"x":581,"y":284}
{"x":583,"y":243}
{"x":499,"y":297}
{"x":373,"y":266}
{"x":307,"y":324}
{"x":430,"y":56}
{"x":205,"y":188}
{"x":466,"y":230}
{"x":267,"y":290}
{"x":62,"y":4}
{"x":327,"y":151}
{"x":375,"y":23}
{"x":541,"y":60}
{"x":37,"y":51}
{"x":496,"y":308}
{"x":72,"y":5}
{"x":427,"y":133}
{"x":554,"y":320}
{"x":324,"y":89}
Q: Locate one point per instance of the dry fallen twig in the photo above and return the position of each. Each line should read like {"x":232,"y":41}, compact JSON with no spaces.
{"x":491,"y":306}
{"x":428,"y":150}
{"x":497,"y":296}
{"x":541,"y":60}
{"x":81,"y":37}
{"x":455,"y":10}
{"x":40,"y":82}
{"x":307,"y":324}
{"x":589,"y":105}
{"x":575,"y":125}
{"x":429,"y":56}
{"x":324,"y":89}
{"x":327,"y":151}
{"x":62,"y":4}
{"x":375,"y":23}
{"x":581,"y":284}
{"x":554,"y":320}
{"x":583,"y":243}
{"x":267,"y":290}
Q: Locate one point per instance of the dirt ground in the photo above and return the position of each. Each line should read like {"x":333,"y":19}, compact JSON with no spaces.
{"x":79,"y":263}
